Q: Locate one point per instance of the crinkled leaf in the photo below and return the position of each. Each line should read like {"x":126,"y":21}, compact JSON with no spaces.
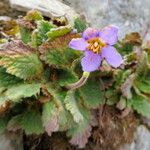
{"x":50,"y":117}
{"x":57,"y":95}
{"x":91,"y":93}
{"x":32,"y":123}
{"x":133,"y":38}
{"x":127,"y":85}
{"x":33,"y":15}
{"x":14,"y":123}
{"x":20,"y":60}
{"x":60,"y":31}
{"x":39,"y":34}
{"x":143,"y":86}
{"x":71,"y":105}
{"x":65,"y":120}
{"x":81,"y":132}
{"x":141,"y":105}
{"x":142,"y":67}
{"x":66,"y":76}
{"x":9,"y":27}
{"x":57,"y":52}
{"x":7,"y":79}
{"x":80,"y":25}
{"x":25,"y":35}
{"x":19,"y":91}
{"x":3,"y":123}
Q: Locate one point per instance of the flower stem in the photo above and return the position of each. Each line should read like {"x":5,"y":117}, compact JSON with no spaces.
{"x":79,"y":83}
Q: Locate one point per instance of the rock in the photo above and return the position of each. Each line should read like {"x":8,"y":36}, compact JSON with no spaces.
{"x":11,"y":141}
{"x":129,"y":15}
{"x":49,"y":8}
{"x":141,"y":140}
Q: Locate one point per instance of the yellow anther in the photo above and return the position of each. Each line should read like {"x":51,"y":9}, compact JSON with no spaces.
{"x":95,"y":45}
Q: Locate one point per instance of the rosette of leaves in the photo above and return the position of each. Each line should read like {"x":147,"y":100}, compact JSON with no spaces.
{"x":33,"y":73}
{"x":35,"y":69}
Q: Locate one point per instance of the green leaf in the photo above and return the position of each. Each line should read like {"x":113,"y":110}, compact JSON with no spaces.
{"x":57,"y":94}
{"x":80,"y":132}
{"x":39,"y":35}
{"x":57,"y":52}
{"x":32,"y":122}
{"x":14,"y":123}
{"x":142,"y":67}
{"x":7,"y":79}
{"x":25,"y":34}
{"x":111,"y":96}
{"x":33,"y":15}
{"x":66,"y":76}
{"x":3,"y":123}
{"x":19,"y":91}
{"x":50,"y":117}
{"x":49,"y":109}
{"x":141,"y":105}
{"x":80,"y":25}
{"x":91,"y":93}
{"x":71,"y":105}
{"x":65,"y":120}
{"x":143,"y":86}
{"x":60,"y":31}
{"x":20,"y":60}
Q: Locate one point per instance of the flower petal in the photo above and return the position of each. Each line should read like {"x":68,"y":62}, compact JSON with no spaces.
{"x":90,"y":33}
{"x":112,"y":56}
{"x":109,"y":34}
{"x":78,"y":44}
{"x":90,"y":62}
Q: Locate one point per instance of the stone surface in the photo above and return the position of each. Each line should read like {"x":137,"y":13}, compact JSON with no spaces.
{"x":129,"y":15}
{"x":141,"y":140}
{"x":11,"y":141}
{"x":49,"y":8}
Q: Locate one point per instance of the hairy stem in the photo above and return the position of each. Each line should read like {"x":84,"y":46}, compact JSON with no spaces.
{"x":79,"y":83}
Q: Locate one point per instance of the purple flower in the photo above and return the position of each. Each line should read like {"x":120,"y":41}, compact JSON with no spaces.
{"x":97,"y":45}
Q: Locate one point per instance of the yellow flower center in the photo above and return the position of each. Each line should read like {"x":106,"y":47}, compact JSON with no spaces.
{"x":95,"y":45}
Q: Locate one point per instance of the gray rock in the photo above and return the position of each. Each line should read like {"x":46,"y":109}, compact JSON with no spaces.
{"x":141,"y":140}
{"x":129,"y":15}
{"x":11,"y":141}
{"x":49,"y":8}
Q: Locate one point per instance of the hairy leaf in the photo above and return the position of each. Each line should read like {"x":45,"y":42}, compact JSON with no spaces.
{"x":82,"y":131}
{"x":66,"y":76}
{"x":19,"y":91}
{"x":20,"y":60}
{"x":33,"y":15}
{"x":143,"y":86}
{"x":3,"y":123}
{"x":32,"y":123}
{"x":60,"y":31}
{"x":14,"y":123}
{"x":71,"y":105}
{"x":57,"y":52}
{"x":80,"y":25}
{"x":39,"y":35}
{"x":50,"y":117}
{"x":91,"y":93}
{"x":65,"y":120}
{"x":127,"y":85}
{"x":57,"y":95}
{"x":133,"y":38}
{"x":141,"y":105}
{"x":142,"y":67}
{"x":25,"y":35}
{"x":7,"y":79}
